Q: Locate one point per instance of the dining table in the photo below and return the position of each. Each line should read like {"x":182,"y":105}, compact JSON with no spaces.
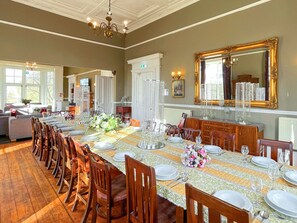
{"x":226,"y":171}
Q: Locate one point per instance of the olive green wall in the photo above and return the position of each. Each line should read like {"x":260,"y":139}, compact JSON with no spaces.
{"x":274,"y":18}
{"x":23,"y":44}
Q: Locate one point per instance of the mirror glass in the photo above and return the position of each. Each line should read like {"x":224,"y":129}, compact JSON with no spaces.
{"x":218,"y":71}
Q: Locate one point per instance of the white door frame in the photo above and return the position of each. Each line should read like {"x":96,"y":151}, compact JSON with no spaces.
{"x":142,"y":66}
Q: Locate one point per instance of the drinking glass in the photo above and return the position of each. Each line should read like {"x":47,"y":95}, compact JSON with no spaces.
{"x":257,"y":186}
{"x":245,"y":152}
{"x":184,"y":160}
{"x":273,"y":173}
{"x":283,"y":159}
{"x":198,"y":140}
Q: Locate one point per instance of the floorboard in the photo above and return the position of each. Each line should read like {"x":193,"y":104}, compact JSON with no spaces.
{"x":28,"y":190}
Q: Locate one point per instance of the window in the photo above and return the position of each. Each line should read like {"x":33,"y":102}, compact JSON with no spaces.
{"x":19,"y":82}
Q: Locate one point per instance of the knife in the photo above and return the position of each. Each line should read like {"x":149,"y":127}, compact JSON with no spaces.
{"x":174,"y":181}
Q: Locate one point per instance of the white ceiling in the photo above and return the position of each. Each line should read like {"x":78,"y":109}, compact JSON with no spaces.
{"x":137,"y":12}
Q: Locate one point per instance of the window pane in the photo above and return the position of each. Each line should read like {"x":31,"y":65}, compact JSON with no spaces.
{"x":50,"y":78}
{"x":49,"y":94}
{"x":13,"y":75}
{"x":33,"y":93}
{"x":13,"y":94}
{"x":32,"y":77}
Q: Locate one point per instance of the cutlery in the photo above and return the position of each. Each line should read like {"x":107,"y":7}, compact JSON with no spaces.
{"x":174,"y":181}
{"x":183,"y":180}
{"x":264,"y":215}
{"x":222,"y":153}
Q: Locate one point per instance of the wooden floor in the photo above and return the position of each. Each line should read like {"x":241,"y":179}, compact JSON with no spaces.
{"x":28,"y":189}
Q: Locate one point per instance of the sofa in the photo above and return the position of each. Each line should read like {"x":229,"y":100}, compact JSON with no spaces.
{"x":19,"y":127}
{"x":4,"y":123}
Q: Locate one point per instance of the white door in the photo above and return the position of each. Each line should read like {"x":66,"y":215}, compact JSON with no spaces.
{"x":143,"y":68}
{"x":104,"y":93}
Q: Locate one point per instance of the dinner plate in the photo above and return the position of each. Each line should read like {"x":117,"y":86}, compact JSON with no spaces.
{"x":137,"y":129}
{"x":212,"y":149}
{"x":76,"y":132}
{"x":54,"y":123}
{"x":89,"y":138}
{"x":170,"y":177}
{"x":103,"y":145}
{"x":61,"y":125}
{"x":262,"y":161}
{"x":121,"y":156}
{"x":290,"y":181}
{"x":175,"y":139}
{"x":235,"y":198}
{"x":291,"y":175}
{"x":65,"y":129}
{"x":283,"y":202}
{"x":164,"y":171}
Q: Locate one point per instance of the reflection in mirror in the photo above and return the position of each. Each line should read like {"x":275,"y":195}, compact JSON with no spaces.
{"x":218,"y":71}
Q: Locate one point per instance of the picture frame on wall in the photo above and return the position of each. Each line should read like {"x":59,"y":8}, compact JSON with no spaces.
{"x":178,"y":88}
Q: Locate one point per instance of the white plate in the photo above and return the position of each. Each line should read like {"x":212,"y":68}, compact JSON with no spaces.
{"x":170,"y":177}
{"x":288,"y":180}
{"x":235,"y":198}
{"x":137,"y":129}
{"x":68,"y":128}
{"x":262,"y":161}
{"x":121,"y":156}
{"x":103,"y":145}
{"x":175,"y":139}
{"x":54,"y":123}
{"x":89,"y":138}
{"x":164,"y":171}
{"x":61,"y":125}
{"x":212,"y":149}
{"x":291,"y":175}
{"x":283,"y":202}
{"x":76,"y":132}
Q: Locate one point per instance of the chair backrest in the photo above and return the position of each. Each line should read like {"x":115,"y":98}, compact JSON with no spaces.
{"x":101,"y":176}
{"x":275,"y":146}
{"x":196,"y":199}
{"x":223,"y":139}
{"x":82,"y":156}
{"x":141,"y":192}
{"x":173,"y":130}
{"x":182,"y":121}
{"x":63,"y":143}
{"x":53,"y":133}
{"x":190,"y":134}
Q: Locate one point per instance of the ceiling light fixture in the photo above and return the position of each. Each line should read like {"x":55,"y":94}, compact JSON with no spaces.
{"x":229,"y":61}
{"x":31,"y":66}
{"x":108,"y":28}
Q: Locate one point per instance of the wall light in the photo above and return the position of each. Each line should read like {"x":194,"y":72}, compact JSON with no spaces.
{"x":176,"y":75}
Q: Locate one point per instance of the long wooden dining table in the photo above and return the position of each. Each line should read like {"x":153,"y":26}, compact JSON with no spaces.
{"x":225,"y":171}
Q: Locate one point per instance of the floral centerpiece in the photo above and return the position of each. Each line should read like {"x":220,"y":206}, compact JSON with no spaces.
{"x":195,"y":156}
{"x":105,"y":122}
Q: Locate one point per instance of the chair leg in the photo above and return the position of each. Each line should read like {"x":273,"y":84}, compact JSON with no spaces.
{"x":70,"y":189}
{"x":62,"y":177}
{"x":94,"y":207}
{"x":56,"y":169}
{"x":78,"y":187}
{"x":51,"y":155}
{"x":89,"y":201}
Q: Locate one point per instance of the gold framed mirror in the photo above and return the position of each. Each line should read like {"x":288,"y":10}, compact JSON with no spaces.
{"x":221,"y":69}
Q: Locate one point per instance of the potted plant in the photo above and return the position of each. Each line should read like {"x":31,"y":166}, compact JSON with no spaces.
{"x":26,"y":101}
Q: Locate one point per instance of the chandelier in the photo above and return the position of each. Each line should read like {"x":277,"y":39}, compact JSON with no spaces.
{"x":31,"y":66}
{"x":229,"y":61}
{"x":107,"y":28}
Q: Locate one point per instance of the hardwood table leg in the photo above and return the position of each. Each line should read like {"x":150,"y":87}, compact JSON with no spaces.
{"x":180,"y":215}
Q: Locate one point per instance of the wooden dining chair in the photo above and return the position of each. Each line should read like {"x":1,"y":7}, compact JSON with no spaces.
{"x":53,"y":151}
{"x":190,"y":134}
{"x":196,"y":200}
{"x":223,"y":139}
{"x":46,"y":142}
{"x":83,"y":188}
{"x":34,"y":133}
{"x":143,"y":204}
{"x":275,"y":146}
{"x":68,"y":167}
{"x":109,"y":193}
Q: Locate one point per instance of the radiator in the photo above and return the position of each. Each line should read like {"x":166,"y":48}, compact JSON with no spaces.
{"x":287,"y":131}
{"x":173,"y":115}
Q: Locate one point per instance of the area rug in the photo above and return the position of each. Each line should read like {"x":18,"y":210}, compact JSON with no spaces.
{"x":4,"y":139}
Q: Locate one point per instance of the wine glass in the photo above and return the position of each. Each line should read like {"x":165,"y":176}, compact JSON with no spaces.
{"x":245,"y":152}
{"x":184,"y":160}
{"x":257,"y":186}
{"x":283,"y":159}
{"x":273,"y":173}
{"x":198,"y":140}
